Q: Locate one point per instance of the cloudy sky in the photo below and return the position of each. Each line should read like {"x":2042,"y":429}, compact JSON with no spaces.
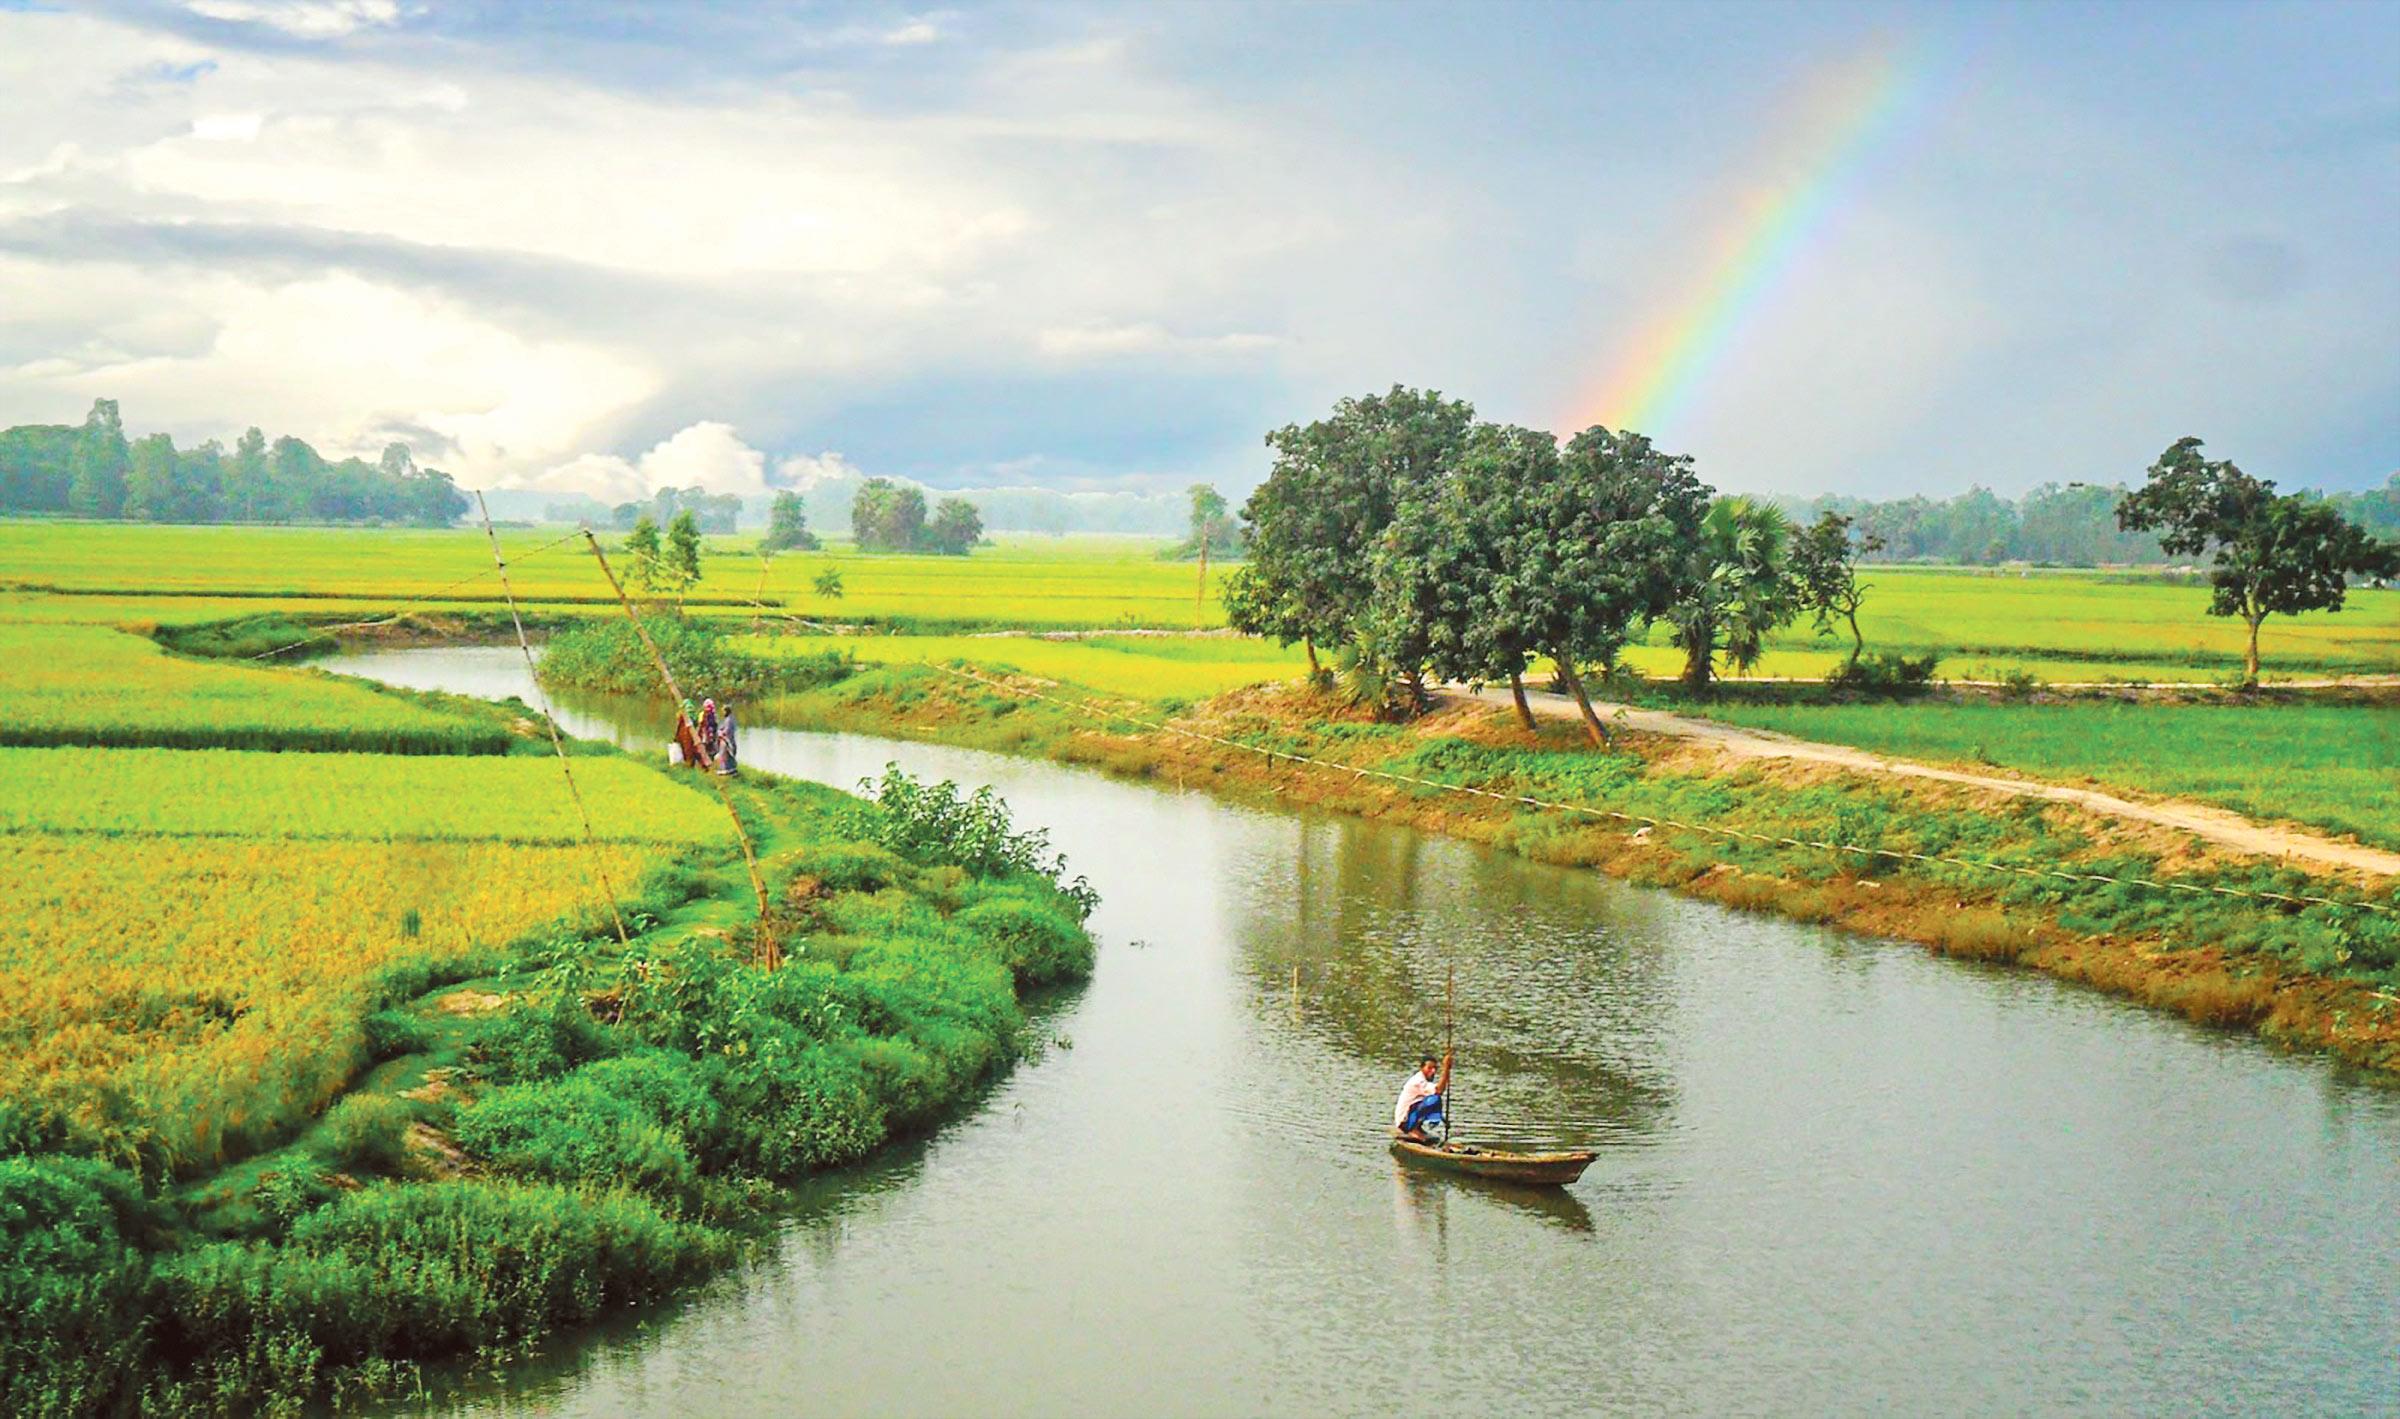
{"x":1822,"y":247}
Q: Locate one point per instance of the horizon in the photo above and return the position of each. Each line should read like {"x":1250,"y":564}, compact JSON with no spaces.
{"x":1858,"y":250}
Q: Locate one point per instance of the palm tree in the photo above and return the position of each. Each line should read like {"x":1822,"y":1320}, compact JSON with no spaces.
{"x":1738,"y":588}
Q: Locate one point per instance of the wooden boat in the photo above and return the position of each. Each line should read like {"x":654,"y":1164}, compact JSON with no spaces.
{"x":1532,"y":1169}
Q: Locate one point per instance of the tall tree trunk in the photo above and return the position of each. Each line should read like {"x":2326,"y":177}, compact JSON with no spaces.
{"x":2250,"y":660}
{"x":1591,"y":718}
{"x":1314,"y":670}
{"x":1698,"y":650}
{"x":1516,"y":687}
{"x":1858,"y":642}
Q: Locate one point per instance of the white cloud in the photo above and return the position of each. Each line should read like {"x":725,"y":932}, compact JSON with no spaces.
{"x":304,"y":19}
{"x":1144,"y":338}
{"x":706,"y":455}
{"x":227,"y":127}
{"x":802,"y":471}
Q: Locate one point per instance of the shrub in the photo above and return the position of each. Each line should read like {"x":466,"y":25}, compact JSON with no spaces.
{"x":1885,"y":673}
{"x":1039,"y":944}
{"x":606,"y":654}
{"x":71,"y":1285}
{"x":414,"y":1271}
{"x":576,"y":1132}
{"x":670,"y":1091}
{"x":393,"y":1033}
{"x":538,"y":1040}
{"x":368,"y":1132}
{"x":935,"y":823}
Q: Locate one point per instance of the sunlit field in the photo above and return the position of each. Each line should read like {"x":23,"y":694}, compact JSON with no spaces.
{"x":2332,"y":766}
{"x":228,"y":1003}
{"x":81,"y":684}
{"x":367,"y":797}
{"x":1134,"y":667}
{"x":2059,"y":626}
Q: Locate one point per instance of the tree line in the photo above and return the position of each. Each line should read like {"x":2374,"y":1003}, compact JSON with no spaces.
{"x":1421,"y":545}
{"x":890,"y":516}
{"x":2057,"y":525}
{"x":93,"y":470}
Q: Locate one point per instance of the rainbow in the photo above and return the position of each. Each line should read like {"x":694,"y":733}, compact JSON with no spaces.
{"x":1846,"y":118}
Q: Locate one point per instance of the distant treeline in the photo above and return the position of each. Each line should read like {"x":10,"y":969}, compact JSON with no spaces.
{"x":2069,"y":525}
{"x":92,"y":470}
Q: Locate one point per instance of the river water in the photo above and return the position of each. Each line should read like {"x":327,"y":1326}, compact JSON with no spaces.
{"x":1836,"y":1174}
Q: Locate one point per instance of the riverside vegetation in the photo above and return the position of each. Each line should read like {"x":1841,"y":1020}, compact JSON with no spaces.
{"x":320,"y":1066}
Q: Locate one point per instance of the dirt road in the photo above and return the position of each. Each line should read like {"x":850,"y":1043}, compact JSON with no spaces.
{"x":2217,"y":825}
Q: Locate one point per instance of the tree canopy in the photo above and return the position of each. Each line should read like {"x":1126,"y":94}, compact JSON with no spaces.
{"x":1335,"y":487}
{"x":887,"y":516}
{"x":2269,"y":552}
{"x":94,"y":470}
{"x":787,"y":525}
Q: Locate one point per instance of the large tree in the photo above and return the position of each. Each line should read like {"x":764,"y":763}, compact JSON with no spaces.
{"x":1824,"y":561}
{"x":1736,"y":588}
{"x":2269,"y":552}
{"x":1213,"y":530}
{"x":887,"y":517}
{"x":787,"y":525}
{"x":682,"y":559}
{"x":955,"y":529}
{"x":101,"y":461}
{"x":642,"y":545}
{"x":150,"y":480}
{"x":1312,"y":527}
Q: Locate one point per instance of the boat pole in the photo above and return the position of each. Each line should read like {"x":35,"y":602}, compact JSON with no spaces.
{"x":1449,"y":1104}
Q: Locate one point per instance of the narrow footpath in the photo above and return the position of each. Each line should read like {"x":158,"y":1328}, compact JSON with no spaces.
{"x":2216,"y":825}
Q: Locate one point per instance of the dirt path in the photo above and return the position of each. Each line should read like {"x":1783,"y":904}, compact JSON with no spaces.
{"x":2216,"y":825}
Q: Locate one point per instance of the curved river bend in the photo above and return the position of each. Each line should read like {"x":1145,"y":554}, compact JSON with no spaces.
{"x":1835,"y":1175}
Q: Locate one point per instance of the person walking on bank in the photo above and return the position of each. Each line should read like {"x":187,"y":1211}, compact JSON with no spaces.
{"x":725,"y":745}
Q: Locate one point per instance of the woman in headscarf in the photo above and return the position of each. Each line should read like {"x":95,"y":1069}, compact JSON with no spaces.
{"x":725,"y":746}
{"x":708,"y":732}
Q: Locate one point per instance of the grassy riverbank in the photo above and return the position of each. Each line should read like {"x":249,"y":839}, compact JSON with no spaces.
{"x":2322,"y":977}
{"x":316,"y":1067}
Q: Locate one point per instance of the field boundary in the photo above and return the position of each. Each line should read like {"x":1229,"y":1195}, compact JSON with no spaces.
{"x":2221,"y":826}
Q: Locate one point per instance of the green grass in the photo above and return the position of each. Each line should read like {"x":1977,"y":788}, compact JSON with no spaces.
{"x":92,"y":685}
{"x":372,"y":797}
{"x":1134,"y":667}
{"x":2331,"y":766}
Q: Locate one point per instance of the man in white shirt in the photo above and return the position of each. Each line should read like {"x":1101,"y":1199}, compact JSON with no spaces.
{"x":1420,"y":1105}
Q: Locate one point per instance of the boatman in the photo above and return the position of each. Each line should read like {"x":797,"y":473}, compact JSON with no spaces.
{"x":1420,"y":1106}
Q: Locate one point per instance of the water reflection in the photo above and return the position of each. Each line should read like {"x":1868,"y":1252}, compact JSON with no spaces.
{"x":1421,"y":1203}
{"x":1836,"y":1175}
{"x":1561,"y":995}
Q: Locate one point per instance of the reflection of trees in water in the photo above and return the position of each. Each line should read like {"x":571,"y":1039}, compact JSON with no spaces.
{"x":1563,"y":992}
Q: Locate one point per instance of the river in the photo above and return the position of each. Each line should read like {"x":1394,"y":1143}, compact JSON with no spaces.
{"x":1836,"y":1173}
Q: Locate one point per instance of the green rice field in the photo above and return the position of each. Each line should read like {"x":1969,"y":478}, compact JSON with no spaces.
{"x":2330,"y":766}
{"x":84,"y":684}
{"x":2062,"y":627}
{"x":355,"y":796}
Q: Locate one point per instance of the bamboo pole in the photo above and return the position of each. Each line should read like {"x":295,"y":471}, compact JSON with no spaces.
{"x":770,"y":955}
{"x":608,"y":889}
{"x":1449,"y":1057}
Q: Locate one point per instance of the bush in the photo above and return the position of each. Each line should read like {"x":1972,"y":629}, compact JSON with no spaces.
{"x":935,"y":823}
{"x":1885,"y":674}
{"x":606,"y":654}
{"x":670,"y":1091}
{"x":393,"y":1033}
{"x":577,"y":1133}
{"x":538,"y":1041}
{"x":368,"y":1132}
{"x":1039,"y":944}
{"x":415,"y":1271}
{"x":72,"y":1286}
